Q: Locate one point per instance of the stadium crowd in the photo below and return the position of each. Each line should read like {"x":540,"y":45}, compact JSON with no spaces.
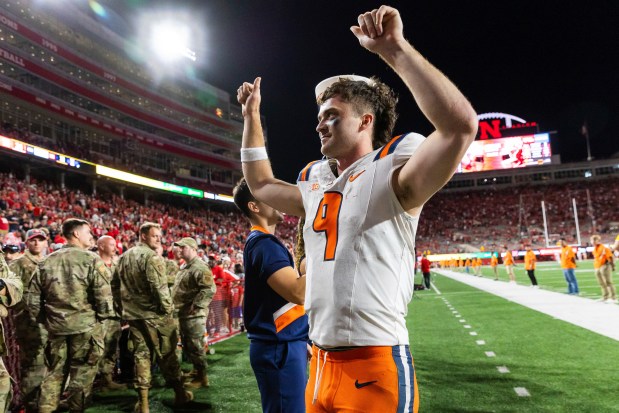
{"x":479,"y":218}
{"x":490,"y":217}
{"x":41,"y":204}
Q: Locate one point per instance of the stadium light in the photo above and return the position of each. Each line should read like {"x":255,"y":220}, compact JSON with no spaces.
{"x":167,"y":37}
{"x":169,"y":41}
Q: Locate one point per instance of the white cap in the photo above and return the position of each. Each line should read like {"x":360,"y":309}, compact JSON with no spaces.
{"x":322,"y":86}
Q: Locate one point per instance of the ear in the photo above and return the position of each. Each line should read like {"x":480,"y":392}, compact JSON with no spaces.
{"x":253,"y":207}
{"x":367,"y":122}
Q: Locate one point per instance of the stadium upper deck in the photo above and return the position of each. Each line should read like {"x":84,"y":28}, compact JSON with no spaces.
{"x":67,"y":82}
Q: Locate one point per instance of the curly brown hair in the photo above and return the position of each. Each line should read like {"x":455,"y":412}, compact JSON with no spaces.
{"x":377,"y":98}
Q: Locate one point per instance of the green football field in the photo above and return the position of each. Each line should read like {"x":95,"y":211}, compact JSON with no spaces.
{"x":556,"y":366}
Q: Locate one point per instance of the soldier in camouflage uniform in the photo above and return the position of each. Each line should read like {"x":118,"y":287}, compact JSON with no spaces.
{"x":30,"y":334}
{"x":106,"y":248}
{"x":11,"y":289}
{"x":70,"y":291}
{"x":192,"y":293}
{"x":141,"y":292}
{"x":171,"y":267}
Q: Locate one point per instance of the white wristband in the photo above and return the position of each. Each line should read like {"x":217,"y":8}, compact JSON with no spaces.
{"x":254,"y":154}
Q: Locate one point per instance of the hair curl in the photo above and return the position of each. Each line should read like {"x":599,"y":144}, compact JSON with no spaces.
{"x":377,"y":98}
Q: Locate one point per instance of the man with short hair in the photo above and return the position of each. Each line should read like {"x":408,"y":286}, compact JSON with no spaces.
{"x":192,"y":293}
{"x":30,"y":334}
{"x":273,"y":310}
{"x":106,"y":248}
{"x":604,"y":265}
{"x":568,"y":264}
{"x":70,"y":291}
{"x":362,"y":208}
{"x":142,"y":295}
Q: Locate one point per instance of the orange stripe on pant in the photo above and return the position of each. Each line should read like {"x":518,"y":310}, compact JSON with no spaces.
{"x":366,"y":379}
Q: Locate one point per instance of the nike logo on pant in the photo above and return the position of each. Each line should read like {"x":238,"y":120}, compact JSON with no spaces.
{"x":364,"y":384}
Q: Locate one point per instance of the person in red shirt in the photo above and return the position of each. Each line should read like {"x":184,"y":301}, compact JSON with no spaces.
{"x":221,"y":300}
{"x":425,"y":270}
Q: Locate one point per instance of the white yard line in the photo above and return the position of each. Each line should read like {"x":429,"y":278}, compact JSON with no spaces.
{"x":595,"y":316}
{"x":522,"y":392}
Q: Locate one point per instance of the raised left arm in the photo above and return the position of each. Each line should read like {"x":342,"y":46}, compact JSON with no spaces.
{"x":455,"y":121}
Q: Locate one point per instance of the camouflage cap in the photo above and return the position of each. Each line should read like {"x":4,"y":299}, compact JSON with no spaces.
{"x":36,"y":232}
{"x":187,"y":242}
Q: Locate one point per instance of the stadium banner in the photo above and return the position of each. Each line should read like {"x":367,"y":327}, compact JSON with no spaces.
{"x":153,"y":183}
{"x":42,"y":153}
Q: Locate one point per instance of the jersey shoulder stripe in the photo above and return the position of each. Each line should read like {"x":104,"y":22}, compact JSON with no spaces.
{"x":305,"y":172}
{"x":390,"y":147}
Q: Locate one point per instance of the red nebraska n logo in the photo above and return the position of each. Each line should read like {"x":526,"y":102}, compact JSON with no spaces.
{"x":486,"y":128}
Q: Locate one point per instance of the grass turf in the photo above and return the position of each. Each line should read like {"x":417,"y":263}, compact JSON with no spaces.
{"x":233,"y":386}
{"x":565,"y":368}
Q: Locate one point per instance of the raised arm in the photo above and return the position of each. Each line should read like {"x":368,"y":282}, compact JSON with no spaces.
{"x":264,"y":186}
{"x":434,"y":163}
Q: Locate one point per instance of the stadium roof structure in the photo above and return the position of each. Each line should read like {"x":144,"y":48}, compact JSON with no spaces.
{"x":72,"y":85}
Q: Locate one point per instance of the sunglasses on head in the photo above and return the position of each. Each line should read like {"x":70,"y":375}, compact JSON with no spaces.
{"x":11,"y":249}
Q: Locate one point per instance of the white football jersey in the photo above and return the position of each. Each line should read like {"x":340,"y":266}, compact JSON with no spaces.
{"x":360,"y":249}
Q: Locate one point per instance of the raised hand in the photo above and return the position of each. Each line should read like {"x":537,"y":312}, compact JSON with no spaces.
{"x":248,"y":95}
{"x":379,"y":29}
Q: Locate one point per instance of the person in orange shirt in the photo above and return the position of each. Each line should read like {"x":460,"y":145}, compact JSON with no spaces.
{"x":508,"y":260}
{"x":467,"y":265}
{"x":494,"y":263}
{"x":604,"y":267}
{"x":529,"y":265}
{"x":568,"y":264}
{"x":477,"y":266}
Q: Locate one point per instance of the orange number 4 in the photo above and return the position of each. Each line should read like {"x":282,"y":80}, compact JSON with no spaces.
{"x":326,"y":220}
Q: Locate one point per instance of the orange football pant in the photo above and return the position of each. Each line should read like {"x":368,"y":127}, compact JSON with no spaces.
{"x":366,"y":379}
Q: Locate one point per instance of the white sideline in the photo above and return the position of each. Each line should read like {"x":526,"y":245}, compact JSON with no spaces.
{"x":595,"y":316}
